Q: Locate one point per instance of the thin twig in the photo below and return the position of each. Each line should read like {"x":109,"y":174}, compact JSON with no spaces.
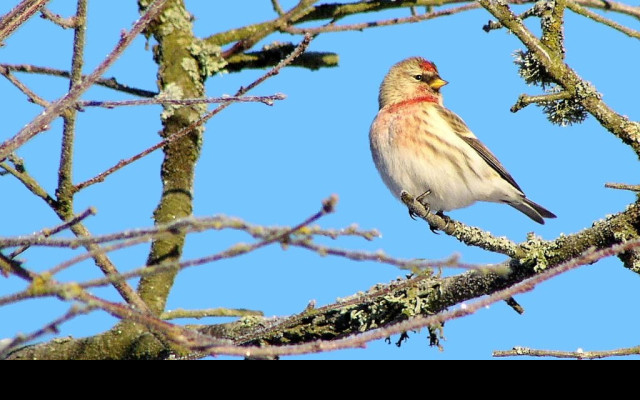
{"x":51,"y":327}
{"x":211,"y":312}
{"x":66,"y":23}
{"x":380,"y":257}
{"x":233,"y":251}
{"x":34,"y":98}
{"x":297,"y":12}
{"x":525,"y":100}
{"x":578,"y":9}
{"x":535,"y":11}
{"x":123,"y":163}
{"x":623,"y":186}
{"x":41,"y":122}
{"x":47,"y":232}
{"x":30,"y":183}
{"x":19,"y":15}
{"x":9,"y":265}
{"x":268,"y":100}
{"x":376,"y":24}
{"x":578,"y":354}
{"x":186,"y":225}
{"x":277,"y":7}
{"x":110,"y":83}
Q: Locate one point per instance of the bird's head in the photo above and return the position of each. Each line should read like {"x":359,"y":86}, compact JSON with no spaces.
{"x":411,"y":79}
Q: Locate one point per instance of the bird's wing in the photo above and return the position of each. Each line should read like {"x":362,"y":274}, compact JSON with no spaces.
{"x":462,"y":130}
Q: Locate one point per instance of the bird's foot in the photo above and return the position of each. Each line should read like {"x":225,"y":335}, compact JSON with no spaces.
{"x":422,"y":199}
{"x":446,"y":219}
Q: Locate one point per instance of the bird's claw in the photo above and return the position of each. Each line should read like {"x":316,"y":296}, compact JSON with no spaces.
{"x":433,"y":229}
{"x":446,"y":219}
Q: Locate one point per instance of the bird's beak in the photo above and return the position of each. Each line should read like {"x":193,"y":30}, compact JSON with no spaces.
{"x":437,"y":83}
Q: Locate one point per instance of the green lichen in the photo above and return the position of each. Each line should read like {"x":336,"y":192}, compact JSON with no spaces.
{"x":208,"y":56}
{"x":536,"y":250}
{"x":40,"y":285}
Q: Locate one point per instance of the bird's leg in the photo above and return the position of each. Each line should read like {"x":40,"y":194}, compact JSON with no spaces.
{"x":445,"y":218}
{"x":420,"y":199}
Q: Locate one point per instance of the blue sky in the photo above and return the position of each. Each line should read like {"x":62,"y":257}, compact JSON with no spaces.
{"x":274,"y":165}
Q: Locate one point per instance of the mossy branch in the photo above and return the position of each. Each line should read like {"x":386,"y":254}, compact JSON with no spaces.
{"x":554,"y":67}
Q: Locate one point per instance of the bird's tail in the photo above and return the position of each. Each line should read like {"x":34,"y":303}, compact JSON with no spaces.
{"x":533,"y":210}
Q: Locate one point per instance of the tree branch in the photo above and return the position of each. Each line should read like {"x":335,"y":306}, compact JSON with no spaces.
{"x":561,"y":73}
{"x":18,"y":16}
{"x":578,"y":355}
{"x":41,"y":122}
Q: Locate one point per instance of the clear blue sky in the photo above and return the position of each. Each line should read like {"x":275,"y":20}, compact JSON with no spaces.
{"x":274,"y":165}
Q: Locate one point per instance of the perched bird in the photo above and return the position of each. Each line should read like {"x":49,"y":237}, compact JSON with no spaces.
{"x":420,"y":146}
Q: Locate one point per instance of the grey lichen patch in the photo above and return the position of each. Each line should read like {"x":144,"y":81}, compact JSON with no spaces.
{"x":536,"y":253}
{"x":531,"y":70}
{"x":190,"y":66}
{"x":174,"y":19}
{"x":631,"y":129}
{"x":564,"y":112}
{"x":251,"y":321}
{"x":171,"y":91}
{"x":476,"y":237}
{"x":209,"y":56}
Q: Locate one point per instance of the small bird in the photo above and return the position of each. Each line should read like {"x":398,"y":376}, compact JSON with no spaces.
{"x":423,"y":148}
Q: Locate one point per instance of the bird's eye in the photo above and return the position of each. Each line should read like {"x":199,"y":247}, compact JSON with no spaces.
{"x":418,"y":77}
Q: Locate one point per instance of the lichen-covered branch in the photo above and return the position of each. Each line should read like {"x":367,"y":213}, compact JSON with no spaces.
{"x":575,"y":355}
{"x":428,"y":295}
{"x":179,"y":76}
{"x":553,"y":65}
{"x":469,"y":235}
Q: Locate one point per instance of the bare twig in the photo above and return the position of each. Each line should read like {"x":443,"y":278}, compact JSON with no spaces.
{"x":212,"y":312}
{"x":186,"y":225}
{"x":525,"y":100}
{"x":51,"y":327}
{"x":47,"y":232}
{"x":380,"y":257}
{"x":234,"y":251}
{"x":19,"y":15}
{"x":41,"y":122}
{"x":34,"y":98}
{"x":578,"y":354}
{"x":388,"y":22}
{"x":297,"y":12}
{"x":123,"y":163}
{"x":277,"y":7}
{"x":31,"y":184}
{"x":578,"y":9}
{"x":66,"y":23}
{"x":268,"y":100}
{"x":110,"y":83}
{"x":623,"y":186}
